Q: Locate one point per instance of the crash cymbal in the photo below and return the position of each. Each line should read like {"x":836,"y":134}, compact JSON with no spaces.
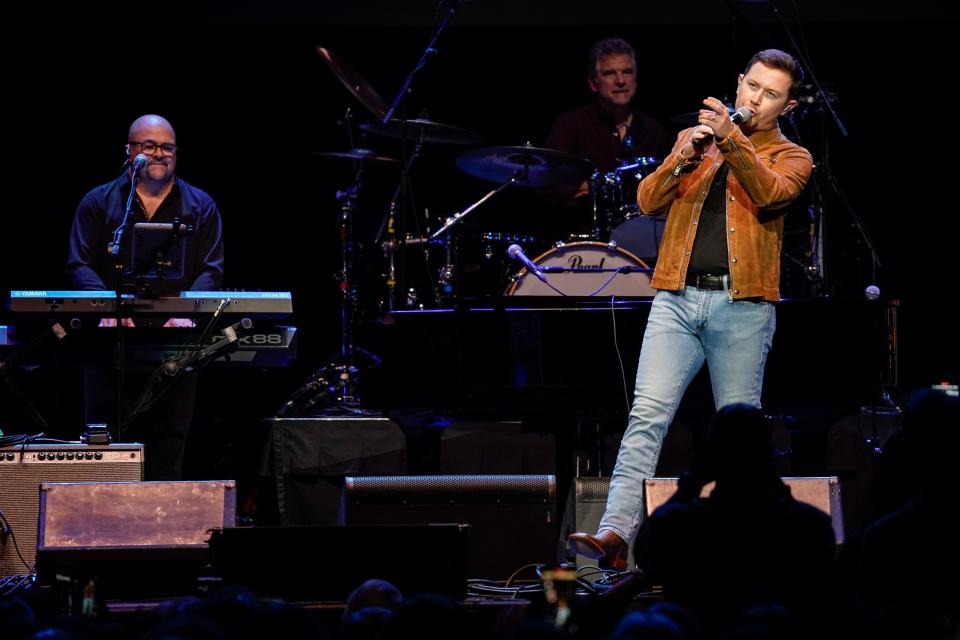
{"x":356,"y":85}
{"x":365,"y":155}
{"x":692,"y":118}
{"x":422,"y":130}
{"x":537,"y":167}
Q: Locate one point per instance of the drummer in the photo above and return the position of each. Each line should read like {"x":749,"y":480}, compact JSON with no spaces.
{"x":608,"y":130}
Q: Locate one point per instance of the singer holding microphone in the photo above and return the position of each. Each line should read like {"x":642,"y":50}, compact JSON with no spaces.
{"x":160,"y":197}
{"x":723,"y":188}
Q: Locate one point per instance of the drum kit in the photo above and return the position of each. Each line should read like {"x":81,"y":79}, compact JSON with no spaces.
{"x":596,"y":264}
{"x":612,"y":259}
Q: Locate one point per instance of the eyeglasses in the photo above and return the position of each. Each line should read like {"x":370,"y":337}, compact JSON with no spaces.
{"x":150,"y":147}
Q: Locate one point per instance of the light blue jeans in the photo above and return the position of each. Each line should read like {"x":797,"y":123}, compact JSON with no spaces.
{"x":685,"y":328}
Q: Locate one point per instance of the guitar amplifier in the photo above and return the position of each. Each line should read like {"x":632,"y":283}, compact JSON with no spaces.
{"x":24,"y":467}
{"x":134,"y":539}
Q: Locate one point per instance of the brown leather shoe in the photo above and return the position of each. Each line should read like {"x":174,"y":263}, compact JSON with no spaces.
{"x":606,"y":547}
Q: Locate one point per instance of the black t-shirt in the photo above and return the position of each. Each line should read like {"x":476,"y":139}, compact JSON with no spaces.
{"x":709,"y":255}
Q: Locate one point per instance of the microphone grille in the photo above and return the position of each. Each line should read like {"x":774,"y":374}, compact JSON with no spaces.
{"x":513,"y":250}
{"x":742,"y":115}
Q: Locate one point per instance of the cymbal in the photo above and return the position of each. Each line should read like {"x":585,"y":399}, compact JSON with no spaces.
{"x":539,"y":167}
{"x":356,"y":85}
{"x":364,"y":155}
{"x":692,"y":118}
{"x":422,"y":130}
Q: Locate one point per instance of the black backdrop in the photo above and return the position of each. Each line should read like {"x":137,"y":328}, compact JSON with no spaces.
{"x":250,"y":98}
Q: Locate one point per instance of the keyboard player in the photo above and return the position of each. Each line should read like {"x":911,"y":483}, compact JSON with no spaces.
{"x":160,"y":197}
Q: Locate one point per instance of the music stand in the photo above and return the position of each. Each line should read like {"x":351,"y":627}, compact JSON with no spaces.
{"x":159,"y":253}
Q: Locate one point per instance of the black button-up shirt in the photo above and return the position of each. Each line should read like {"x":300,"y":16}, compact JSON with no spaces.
{"x":90,"y":266}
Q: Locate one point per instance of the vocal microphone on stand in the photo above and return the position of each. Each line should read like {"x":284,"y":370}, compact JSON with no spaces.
{"x":140,"y":162}
{"x":515,"y":251}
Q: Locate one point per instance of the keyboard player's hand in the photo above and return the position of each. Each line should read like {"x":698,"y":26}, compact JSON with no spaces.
{"x":180,"y":322}
{"x":112,"y":322}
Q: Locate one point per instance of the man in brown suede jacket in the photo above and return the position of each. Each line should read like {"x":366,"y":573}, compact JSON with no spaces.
{"x":723,"y":188}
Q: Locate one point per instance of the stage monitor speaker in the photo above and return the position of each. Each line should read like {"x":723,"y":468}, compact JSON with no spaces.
{"x":820,"y":492}
{"x":585,"y":506}
{"x":512,"y":517}
{"x":150,"y":538}
{"x":588,"y":499}
{"x":24,"y":467}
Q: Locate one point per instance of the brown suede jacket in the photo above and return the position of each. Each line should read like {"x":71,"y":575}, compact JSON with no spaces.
{"x":767,"y":172}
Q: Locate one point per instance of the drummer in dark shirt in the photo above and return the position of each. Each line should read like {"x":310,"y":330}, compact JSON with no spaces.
{"x":609,"y":130}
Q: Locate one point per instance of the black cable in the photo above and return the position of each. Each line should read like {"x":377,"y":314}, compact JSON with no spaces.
{"x":23,"y":440}
{"x":20,"y":578}
{"x":148,"y":398}
{"x":8,"y":531}
{"x":616,"y":348}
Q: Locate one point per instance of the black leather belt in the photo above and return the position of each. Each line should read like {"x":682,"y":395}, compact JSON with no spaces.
{"x":708,"y":282}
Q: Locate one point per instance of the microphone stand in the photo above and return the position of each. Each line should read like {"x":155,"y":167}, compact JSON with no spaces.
{"x":420,"y":64}
{"x":172,"y":370}
{"x":815,"y":269}
{"x":404,"y":177}
{"x":119,"y":351}
{"x":457,"y":217}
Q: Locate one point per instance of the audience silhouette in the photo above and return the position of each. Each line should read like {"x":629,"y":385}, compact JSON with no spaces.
{"x":749,"y":543}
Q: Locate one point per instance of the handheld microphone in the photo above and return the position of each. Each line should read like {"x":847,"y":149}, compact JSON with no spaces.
{"x":741,"y":116}
{"x":515,"y":251}
{"x":692,"y":148}
{"x":140,"y":162}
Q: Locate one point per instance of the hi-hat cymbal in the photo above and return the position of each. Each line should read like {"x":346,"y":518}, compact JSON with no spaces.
{"x":422,"y":130}
{"x":356,"y":85}
{"x":364,"y":155}
{"x":692,"y":118}
{"x":536,"y":167}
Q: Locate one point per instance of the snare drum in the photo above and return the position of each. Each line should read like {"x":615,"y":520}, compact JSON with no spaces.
{"x":585,"y":269}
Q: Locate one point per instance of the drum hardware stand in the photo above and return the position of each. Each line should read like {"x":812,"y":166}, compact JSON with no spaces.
{"x":388,"y":230}
{"x":338,"y":376}
{"x":519,"y":176}
{"x":446,"y":279}
{"x":592,"y":184}
{"x":403,"y":189}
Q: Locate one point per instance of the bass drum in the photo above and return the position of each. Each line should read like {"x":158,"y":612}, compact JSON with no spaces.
{"x":585,"y":269}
